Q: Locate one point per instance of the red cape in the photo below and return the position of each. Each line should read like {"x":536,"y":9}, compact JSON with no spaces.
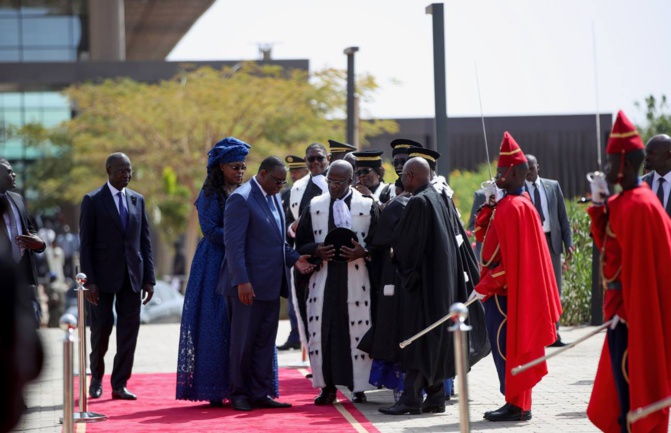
{"x":643,"y":230}
{"x":533,"y":298}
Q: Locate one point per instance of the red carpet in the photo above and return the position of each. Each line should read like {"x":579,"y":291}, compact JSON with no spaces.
{"x":156,"y":410}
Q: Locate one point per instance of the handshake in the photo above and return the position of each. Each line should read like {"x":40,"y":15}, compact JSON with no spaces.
{"x":599,"y":187}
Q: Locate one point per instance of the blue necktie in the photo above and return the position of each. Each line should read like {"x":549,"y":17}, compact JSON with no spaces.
{"x":123,"y":212}
{"x":273,"y":209}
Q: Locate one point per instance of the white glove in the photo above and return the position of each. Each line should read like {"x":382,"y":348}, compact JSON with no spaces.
{"x":475,"y":294}
{"x":614,"y":321}
{"x":599,"y":188}
{"x":490,"y":189}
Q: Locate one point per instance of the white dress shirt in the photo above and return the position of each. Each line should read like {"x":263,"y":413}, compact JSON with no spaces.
{"x":544,"y":201}
{"x":665,"y":185}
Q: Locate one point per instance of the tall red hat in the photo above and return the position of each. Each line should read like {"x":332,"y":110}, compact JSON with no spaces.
{"x":624,"y":137}
{"x":510,"y":153}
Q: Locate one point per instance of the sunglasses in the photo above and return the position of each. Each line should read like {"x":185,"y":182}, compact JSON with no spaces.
{"x":315,"y":158}
{"x":400,"y":161}
{"x":363,"y":171}
{"x":237,"y":167}
{"x":278,"y":182}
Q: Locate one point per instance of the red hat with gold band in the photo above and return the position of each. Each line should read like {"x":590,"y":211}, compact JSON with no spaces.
{"x":623,"y":137}
{"x":510,"y":153}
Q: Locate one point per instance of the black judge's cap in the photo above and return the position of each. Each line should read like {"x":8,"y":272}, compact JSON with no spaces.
{"x":338,"y":147}
{"x":431,"y":156}
{"x":295,"y":162}
{"x":403,"y":145}
{"x":369,"y":158}
{"x":339,"y":237}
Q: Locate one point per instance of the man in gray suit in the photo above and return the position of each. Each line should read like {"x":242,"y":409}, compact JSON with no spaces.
{"x":658,"y":162}
{"x":549,"y":201}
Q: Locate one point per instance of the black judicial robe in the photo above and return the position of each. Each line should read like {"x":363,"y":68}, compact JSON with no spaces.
{"x":428,"y":263}
{"x":383,"y":338}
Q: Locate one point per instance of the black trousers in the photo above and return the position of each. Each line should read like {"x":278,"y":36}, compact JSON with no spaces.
{"x":127,"y":306}
{"x":414,"y":383}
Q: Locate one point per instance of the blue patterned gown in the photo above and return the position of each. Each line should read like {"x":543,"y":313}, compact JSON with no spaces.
{"x":204,"y":339}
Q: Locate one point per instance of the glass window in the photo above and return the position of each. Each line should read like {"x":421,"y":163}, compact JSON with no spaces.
{"x":48,"y":55}
{"x":32,"y":99}
{"x":46,"y":31}
{"x":53,"y":117}
{"x":9,"y":55}
{"x":12,"y":117}
{"x":55,"y":100}
{"x":11,"y":100}
{"x":6,"y":9}
{"x":32,"y":115}
{"x":9,"y":32}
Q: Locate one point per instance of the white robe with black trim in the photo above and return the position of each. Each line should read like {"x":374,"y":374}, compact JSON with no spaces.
{"x":358,"y":292}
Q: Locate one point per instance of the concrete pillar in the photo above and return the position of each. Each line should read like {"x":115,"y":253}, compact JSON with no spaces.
{"x":107,"y":30}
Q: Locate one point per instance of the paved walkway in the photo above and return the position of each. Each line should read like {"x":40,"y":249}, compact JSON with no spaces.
{"x":559,"y":401}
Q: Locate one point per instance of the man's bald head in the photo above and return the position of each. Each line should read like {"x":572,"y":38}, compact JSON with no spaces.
{"x":658,"y":154}
{"x":339,"y":178}
{"x":342,"y":167}
{"x":416,"y":174}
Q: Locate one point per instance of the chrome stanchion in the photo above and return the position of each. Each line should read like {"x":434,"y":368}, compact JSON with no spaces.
{"x":461,"y":357}
{"x":83,"y":415}
{"x":68,"y":323}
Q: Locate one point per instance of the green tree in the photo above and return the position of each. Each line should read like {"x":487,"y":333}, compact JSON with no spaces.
{"x":658,"y":116}
{"x":168,"y":127}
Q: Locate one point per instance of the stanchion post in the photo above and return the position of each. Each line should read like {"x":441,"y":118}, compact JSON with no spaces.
{"x":83,"y":415}
{"x":461,"y":357}
{"x":68,"y":323}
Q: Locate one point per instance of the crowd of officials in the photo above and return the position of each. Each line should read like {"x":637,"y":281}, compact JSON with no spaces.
{"x":367,"y":264}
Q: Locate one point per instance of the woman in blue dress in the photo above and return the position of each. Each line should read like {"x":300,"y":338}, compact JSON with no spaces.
{"x":204,"y":341}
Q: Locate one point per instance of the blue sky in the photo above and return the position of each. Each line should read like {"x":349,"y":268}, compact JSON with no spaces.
{"x":533,"y":56}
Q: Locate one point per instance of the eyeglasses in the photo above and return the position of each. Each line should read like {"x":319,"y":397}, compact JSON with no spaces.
{"x":123,"y":171}
{"x":335,"y":182}
{"x":407,"y":173}
{"x":315,"y":158}
{"x":278,"y":182}
{"x":237,"y":167}
{"x":400,"y":161}
{"x":363,"y":171}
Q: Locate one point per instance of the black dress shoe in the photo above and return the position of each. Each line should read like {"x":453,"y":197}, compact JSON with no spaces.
{"x":326,"y":396}
{"x":508,"y":412}
{"x":269,"y":403}
{"x":123,"y":394}
{"x":401,"y":408}
{"x":95,"y":388}
{"x":558,"y":343}
{"x":216,"y":403}
{"x":359,"y":397}
{"x":289,"y":346}
{"x":241,"y":404}
{"x":433,"y":407}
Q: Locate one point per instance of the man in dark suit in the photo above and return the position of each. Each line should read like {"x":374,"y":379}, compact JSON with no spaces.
{"x":254,"y":275}
{"x":549,"y":202}
{"x":17,"y":233}
{"x":658,"y":162}
{"x":117,"y":260}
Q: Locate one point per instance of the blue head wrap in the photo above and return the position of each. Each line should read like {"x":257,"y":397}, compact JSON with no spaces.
{"x":230,"y":149}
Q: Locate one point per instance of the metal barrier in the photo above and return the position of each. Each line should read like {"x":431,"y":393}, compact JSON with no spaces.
{"x":83,"y":415}
{"x":459,"y":313}
{"x":68,"y":323}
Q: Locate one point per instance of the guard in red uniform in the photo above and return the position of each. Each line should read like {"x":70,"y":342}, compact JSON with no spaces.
{"x":517,"y":284}
{"x":634,"y":234}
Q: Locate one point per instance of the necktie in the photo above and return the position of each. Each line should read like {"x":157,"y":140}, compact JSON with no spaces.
{"x":273,"y":209}
{"x":537,"y":201}
{"x":123,"y":212}
{"x":13,"y":230}
{"x":660,"y":190}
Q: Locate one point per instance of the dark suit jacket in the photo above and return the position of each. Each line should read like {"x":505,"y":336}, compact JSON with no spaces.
{"x":106,"y":252}
{"x":479,"y":199}
{"x":256,"y":250}
{"x":30,"y":276}
{"x":560,"y":227}
{"x":648,"y":178}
